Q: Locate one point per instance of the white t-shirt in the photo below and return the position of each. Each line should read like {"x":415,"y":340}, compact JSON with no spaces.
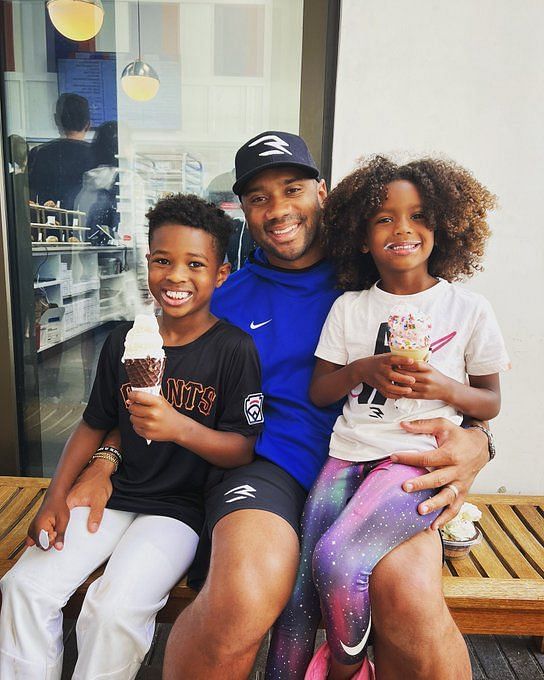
{"x":466,"y":339}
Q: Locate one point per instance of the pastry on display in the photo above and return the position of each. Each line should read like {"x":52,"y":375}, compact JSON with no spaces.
{"x":73,"y":239}
{"x":52,"y":239}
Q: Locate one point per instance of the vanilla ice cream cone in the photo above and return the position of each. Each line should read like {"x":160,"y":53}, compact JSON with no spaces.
{"x":144,"y":356}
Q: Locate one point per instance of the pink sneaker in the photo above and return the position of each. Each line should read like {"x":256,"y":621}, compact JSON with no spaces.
{"x":366,"y":672}
{"x":319,"y":665}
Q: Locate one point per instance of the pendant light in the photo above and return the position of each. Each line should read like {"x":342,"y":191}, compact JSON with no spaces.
{"x":76,"y":19}
{"x":140,"y":80}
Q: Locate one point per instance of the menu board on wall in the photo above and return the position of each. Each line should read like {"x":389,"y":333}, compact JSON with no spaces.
{"x":94,"y":79}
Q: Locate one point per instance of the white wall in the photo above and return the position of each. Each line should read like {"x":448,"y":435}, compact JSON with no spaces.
{"x":466,"y":79}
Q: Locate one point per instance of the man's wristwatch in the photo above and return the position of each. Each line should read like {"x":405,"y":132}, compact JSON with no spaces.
{"x":490,"y":439}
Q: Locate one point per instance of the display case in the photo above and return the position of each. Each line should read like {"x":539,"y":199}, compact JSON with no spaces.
{"x":55,"y":226}
{"x":87,"y":286}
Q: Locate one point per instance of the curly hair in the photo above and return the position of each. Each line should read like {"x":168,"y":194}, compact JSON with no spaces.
{"x":192,"y":211}
{"x":455,"y":204}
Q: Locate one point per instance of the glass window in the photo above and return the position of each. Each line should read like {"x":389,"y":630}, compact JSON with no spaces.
{"x":87,"y":160}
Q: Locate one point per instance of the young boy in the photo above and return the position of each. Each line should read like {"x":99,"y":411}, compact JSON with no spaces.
{"x":210,"y":412}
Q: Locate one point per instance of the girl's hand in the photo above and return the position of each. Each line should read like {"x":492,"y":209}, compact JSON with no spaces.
{"x":152,"y":417}
{"x":381,"y":371}
{"x":429,"y":382}
{"x":52,"y":517}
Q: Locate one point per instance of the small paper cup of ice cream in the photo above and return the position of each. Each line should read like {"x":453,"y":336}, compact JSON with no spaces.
{"x":460,"y":533}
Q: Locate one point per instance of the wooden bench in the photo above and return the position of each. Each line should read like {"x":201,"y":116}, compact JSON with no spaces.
{"x":497,"y":589}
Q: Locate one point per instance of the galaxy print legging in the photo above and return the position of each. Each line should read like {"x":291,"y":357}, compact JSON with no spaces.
{"x":355,"y":514}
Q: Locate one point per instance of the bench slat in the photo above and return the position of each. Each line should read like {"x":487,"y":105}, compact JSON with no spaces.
{"x":6,"y":494}
{"x":503,"y":547}
{"x":534,"y":519}
{"x":15,"y":518}
{"x":525,"y":541}
{"x":488,"y":561}
{"x":464,"y":567}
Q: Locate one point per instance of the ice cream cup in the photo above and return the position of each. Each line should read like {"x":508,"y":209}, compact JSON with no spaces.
{"x":456,"y":549}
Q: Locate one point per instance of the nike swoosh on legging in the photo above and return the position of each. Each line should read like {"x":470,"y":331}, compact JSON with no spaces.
{"x":353,"y":651}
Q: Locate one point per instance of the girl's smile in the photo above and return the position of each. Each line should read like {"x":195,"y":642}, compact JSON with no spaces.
{"x":399,"y":239}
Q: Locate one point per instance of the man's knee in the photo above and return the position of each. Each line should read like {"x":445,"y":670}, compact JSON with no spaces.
{"x":407,"y":586}
{"x":249,"y":581}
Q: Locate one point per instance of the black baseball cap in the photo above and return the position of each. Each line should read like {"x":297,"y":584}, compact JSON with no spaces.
{"x":271,"y":149}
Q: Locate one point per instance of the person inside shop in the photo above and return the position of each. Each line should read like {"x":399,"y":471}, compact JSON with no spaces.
{"x":56,"y":168}
{"x":240,"y":244}
{"x":209,"y":413}
{"x":282,"y":296}
{"x":98,"y":195}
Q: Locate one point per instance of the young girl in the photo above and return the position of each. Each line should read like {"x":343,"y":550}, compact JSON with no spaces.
{"x":398,"y":235}
{"x":153,"y":519}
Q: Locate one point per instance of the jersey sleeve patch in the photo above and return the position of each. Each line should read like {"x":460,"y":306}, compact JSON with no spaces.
{"x":253,"y":408}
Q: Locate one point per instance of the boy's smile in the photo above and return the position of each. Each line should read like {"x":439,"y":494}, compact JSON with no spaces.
{"x":183,"y":272}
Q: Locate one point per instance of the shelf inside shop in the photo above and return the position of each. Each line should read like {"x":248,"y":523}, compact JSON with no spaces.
{"x":111,"y":276}
{"x":64,"y":227}
{"x":54,"y":208}
{"x":56,"y":245}
{"x":46,"y":284}
{"x":73,"y":332}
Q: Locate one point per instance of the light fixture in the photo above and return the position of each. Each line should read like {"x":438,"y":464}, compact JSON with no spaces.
{"x":76,"y":19}
{"x":140,"y":80}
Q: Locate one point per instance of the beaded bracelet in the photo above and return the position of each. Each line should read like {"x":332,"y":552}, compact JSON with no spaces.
{"x":111,"y":449}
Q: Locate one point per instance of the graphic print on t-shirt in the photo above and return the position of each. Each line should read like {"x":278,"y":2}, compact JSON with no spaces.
{"x":183,"y":395}
{"x":370,"y":395}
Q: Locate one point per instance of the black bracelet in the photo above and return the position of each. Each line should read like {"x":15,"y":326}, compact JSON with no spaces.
{"x":110,"y":449}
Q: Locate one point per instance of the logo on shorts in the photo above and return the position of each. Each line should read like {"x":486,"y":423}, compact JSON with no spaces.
{"x":253,"y":408}
{"x":244,"y":491}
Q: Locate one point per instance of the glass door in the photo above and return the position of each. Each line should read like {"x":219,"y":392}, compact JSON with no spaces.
{"x":88,"y":151}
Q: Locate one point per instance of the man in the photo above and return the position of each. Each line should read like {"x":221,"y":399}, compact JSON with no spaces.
{"x":55,"y":169}
{"x":282,"y":296}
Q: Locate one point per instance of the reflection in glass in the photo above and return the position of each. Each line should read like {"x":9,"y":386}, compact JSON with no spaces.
{"x":87,"y":162}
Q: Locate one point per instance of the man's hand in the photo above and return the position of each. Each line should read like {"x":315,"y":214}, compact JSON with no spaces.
{"x":429,"y":382}
{"x":92,"y":489}
{"x":460,"y":455}
{"x":152,"y":417}
{"x":380,"y":371}
{"x":52,"y":517}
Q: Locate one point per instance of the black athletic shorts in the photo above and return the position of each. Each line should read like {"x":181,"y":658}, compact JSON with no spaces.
{"x":260,"y":485}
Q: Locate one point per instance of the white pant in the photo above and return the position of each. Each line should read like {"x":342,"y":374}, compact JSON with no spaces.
{"x":149,"y":554}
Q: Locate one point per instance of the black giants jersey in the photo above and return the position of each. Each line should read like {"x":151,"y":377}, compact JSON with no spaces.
{"x":216,"y":380}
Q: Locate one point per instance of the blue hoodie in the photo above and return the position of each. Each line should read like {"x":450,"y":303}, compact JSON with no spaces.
{"x":284,"y":310}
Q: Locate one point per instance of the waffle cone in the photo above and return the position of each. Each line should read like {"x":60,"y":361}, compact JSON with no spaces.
{"x":145,"y":373}
{"x":422,"y":354}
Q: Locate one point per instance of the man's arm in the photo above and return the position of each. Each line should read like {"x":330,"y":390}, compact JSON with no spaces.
{"x":460,"y":455}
